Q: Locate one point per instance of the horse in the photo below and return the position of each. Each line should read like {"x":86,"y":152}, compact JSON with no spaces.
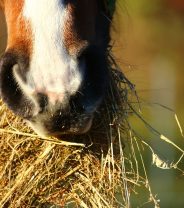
{"x":54,"y":71}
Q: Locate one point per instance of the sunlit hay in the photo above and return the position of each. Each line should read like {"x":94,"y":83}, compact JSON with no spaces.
{"x":99,"y":169}
{"x":37,"y":172}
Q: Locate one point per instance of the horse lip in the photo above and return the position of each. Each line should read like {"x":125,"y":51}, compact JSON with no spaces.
{"x":83,"y":128}
{"x":79,"y":127}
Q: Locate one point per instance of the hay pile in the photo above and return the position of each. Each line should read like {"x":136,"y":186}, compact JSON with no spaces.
{"x":86,"y":171}
{"x":99,"y":169}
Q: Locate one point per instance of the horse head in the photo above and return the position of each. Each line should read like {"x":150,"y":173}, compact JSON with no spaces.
{"x":54,"y":70}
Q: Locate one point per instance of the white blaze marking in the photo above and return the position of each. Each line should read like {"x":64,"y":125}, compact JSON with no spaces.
{"x":51,"y":70}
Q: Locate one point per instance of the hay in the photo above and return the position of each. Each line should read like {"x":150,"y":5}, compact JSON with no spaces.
{"x":99,"y":169}
{"x":85,"y":171}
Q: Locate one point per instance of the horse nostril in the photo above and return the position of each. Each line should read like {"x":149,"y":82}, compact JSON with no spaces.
{"x":7,"y":82}
{"x":11,"y":92}
{"x":11,"y":67}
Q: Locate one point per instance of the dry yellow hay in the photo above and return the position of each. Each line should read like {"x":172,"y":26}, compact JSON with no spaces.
{"x":38,"y":172}
{"x":89,"y":171}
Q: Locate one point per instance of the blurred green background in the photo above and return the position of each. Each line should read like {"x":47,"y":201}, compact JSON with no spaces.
{"x":148,"y":39}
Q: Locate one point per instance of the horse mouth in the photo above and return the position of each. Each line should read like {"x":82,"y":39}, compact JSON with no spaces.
{"x":81,"y":128}
{"x":62,"y":126}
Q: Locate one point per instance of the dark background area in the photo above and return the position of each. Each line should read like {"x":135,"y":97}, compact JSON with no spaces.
{"x":148,"y":39}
